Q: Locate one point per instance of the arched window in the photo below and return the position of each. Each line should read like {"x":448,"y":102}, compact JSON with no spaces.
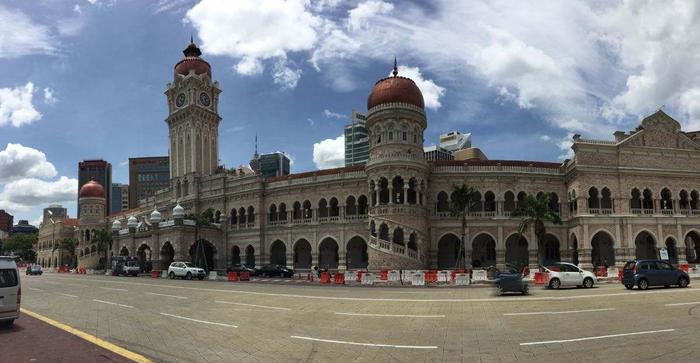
{"x":636,"y":201}
{"x":217,"y":217}
{"x":554,"y":203}
{"x":398,"y":236}
{"x":606,"y":201}
{"x":666,"y":201}
{"x":477,"y":204}
{"x":384,"y":232}
{"x":296,"y":211}
{"x":282,"y":213}
{"x":647,"y":201}
{"x":241,"y":216}
{"x":372,"y":229}
{"x":334,"y":210}
{"x":411,"y":196}
{"x":251,"y":214}
{"x":684,"y":203}
{"x":397,"y":189}
{"x":383,"y":191}
{"x":322,"y":208}
{"x":234,"y":217}
{"x":489,"y":202}
{"x":593,"y":201}
{"x":509,"y":202}
{"x":362,"y":205}
{"x":443,"y":204}
{"x":694,"y":196}
{"x":273,"y":213}
{"x":521,"y":198}
{"x":350,"y":207}
{"x":306,"y":210}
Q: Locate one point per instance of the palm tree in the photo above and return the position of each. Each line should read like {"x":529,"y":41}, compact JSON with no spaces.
{"x":534,"y":212}
{"x":104,"y":244}
{"x":68,"y":245}
{"x":201,"y":219}
{"x":462,"y":200}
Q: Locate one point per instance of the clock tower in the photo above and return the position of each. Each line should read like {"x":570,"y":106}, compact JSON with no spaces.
{"x":193,"y":120}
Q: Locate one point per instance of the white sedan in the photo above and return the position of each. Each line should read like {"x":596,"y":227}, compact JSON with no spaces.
{"x":567,"y":274}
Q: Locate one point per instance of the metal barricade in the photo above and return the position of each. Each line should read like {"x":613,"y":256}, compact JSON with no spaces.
{"x":462,"y":279}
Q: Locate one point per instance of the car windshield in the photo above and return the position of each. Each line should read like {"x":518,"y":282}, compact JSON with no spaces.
{"x":189,"y":264}
{"x":629,"y":265}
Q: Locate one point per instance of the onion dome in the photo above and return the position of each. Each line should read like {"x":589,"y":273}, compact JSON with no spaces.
{"x":92,"y":189}
{"x":395,"y":89}
{"x":192,"y":61}
{"x":155,"y":216}
{"x":116,"y":225}
{"x":178,"y":211}
{"x":132,"y":222}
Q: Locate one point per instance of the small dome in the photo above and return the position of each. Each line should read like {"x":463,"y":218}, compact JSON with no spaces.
{"x":178,"y":211}
{"x":395,"y":89}
{"x":116,"y":225}
{"x":192,"y":61}
{"x":92,"y":189}
{"x":155,"y":216}
{"x":132,"y":222}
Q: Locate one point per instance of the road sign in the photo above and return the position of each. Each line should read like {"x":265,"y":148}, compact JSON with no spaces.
{"x":663,"y":252}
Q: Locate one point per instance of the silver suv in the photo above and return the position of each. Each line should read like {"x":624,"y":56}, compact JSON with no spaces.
{"x":186,"y":270}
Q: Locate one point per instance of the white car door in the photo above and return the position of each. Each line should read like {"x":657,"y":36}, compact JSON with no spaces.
{"x":570,"y":275}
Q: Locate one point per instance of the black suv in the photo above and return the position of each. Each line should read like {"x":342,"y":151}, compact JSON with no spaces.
{"x":645,"y":273}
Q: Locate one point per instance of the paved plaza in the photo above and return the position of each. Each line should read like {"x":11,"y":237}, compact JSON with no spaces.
{"x":217,"y":321}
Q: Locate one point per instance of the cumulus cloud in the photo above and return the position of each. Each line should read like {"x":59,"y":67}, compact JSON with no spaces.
{"x":431,"y":92}
{"x":24,"y":194}
{"x":16,"y":106}
{"x":362,"y":15}
{"x":49,"y":98}
{"x":17,"y":162}
{"x":285,"y":76}
{"x":20,"y":35}
{"x":330,"y":153}
{"x":330,"y":114}
{"x":77,"y":9}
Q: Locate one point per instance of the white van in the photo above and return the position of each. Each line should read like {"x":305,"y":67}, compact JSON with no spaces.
{"x":10,"y":290}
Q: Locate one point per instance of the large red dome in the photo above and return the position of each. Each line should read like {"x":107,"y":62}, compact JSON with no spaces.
{"x":192,"y":61}
{"x":395,"y":89}
{"x":92,"y":189}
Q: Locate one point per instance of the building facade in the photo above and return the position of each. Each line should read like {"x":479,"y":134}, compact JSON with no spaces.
{"x":6,"y":221}
{"x":147,"y":175}
{"x":434,"y":152}
{"x":55,"y":226}
{"x":356,"y":140}
{"x":98,"y":170}
{"x":618,"y":199}
{"x":120,"y":197}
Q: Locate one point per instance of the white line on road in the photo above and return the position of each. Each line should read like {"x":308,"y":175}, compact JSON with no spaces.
{"x":199,"y":321}
{"x":166,"y":295}
{"x":252,"y":305}
{"x":685,"y":303}
{"x":34,"y":288}
{"x":367,"y":344}
{"x":69,"y":295}
{"x":114,"y":289}
{"x":559,"y":312}
{"x":113,"y":303}
{"x":598,"y":337}
{"x":392,"y":315}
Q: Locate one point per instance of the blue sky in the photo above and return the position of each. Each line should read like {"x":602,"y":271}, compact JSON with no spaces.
{"x":85,"y":78}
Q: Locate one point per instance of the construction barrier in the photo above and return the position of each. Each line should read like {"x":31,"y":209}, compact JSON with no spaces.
{"x":479,"y":275}
{"x":383,"y":275}
{"x":461,"y":279}
{"x":359,"y":276}
{"x":418,"y":279}
{"x":212,"y":275}
{"x":339,"y":278}
{"x":244,"y":276}
{"x":325,"y":278}
{"x":602,"y":271}
{"x":165,"y":274}
{"x":232,"y":276}
{"x":455,"y":272}
{"x":694,"y":271}
{"x":620,"y":272}
{"x":540,"y":278}
{"x":443,"y":276}
{"x":155,"y":274}
{"x":685,"y":267}
{"x":430,"y":276}
{"x":612,"y":271}
{"x":367,"y":278}
{"x":394,"y":275}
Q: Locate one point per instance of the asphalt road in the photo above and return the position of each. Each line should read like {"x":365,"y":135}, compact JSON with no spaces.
{"x":198,"y":321}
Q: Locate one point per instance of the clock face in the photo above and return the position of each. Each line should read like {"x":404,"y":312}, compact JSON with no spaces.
{"x":204,"y":99}
{"x":180,"y":100}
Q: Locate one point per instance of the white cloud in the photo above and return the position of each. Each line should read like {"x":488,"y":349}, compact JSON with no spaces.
{"x":362,"y":15}
{"x":124,"y":163}
{"x":431,"y":92}
{"x":284,"y":76}
{"x":17,"y":162}
{"x":564,"y":145}
{"x":20,"y":36}
{"x":92,"y":2}
{"x":77,"y":9}
{"x":330,"y":153}
{"x":545,"y":137}
{"x":170,"y":6}
{"x":24,"y":194}
{"x":249,"y":66}
{"x":16,"y":106}
{"x":310,"y":121}
{"x":330,"y":114}
{"x":323,"y":5}
{"x":49,"y":98}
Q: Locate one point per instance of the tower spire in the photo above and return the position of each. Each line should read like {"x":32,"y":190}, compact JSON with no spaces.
{"x":256,"y":145}
{"x":191,"y":38}
{"x":396,"y":69}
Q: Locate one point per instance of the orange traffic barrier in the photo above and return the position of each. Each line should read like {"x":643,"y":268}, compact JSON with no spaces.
{"x":232,"y":276}
{"x":245,"y":276}
{"x":602,"y":271}
{"x":685,"y":267}
{"x":540,"y":278}
{"x":383,"y":275}
{"x":431,"y":276}
{"x":359,"y":276}
{"x":619,"y":274}
{"x":325,"y":278}
{"x":155,"y":274}
{"x":339,"y":279}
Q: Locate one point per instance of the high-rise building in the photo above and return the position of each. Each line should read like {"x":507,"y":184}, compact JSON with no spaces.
{"x":454,"y":140}
{"x":147,"y":175}
{"x":435,"y":152}
{"x":97,"y":170}
{"x":23,"y":226}
{"x":356,"y":140}
{"x":271,"y":165}
{"x":120,"y":198}
{"x":55,"y":212}
{"x":6,"y":220}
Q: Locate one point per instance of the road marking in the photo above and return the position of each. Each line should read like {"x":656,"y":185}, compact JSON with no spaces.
{"x":90,"y":338}
{"x":367,"y":344}
{"x":34,"y":289}
{"x":166,"y":295}
{"x":685,"y":303}
{"x":69,"y":295}
{"x":598,"y":337}
{"x":113,"y":303}
{"x":559,"y":312}
{"x":253,"y":305}
{"x":114,"y":289}
{"x":199,"y":321}
{"x":392,"y":315}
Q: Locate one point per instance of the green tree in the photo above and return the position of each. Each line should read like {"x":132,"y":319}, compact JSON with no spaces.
{"x":534,"y":212}
{"x":104,"y":244}
{"x":462,"y":200}
{"x":21,"y":244}
{"x":200,"y":220}
{"x":68,"y":245}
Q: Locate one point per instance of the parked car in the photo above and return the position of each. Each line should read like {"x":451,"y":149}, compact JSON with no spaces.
{"x":124,"y":265}
{"x":10,"y":290}
{"x":238,"y":268}
{"x":185,"y":270}
{"x":510,"y":280}
{"x":645,"y":273}
{"x":567,"y":274}
{"x":34,"y":270}
{"x":274,"y":270}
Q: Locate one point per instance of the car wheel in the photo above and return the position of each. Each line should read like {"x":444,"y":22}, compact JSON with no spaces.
{"x":7,"y":323}
{"x":188,"y":276}
{"x":683,"y":282}
{"x":643,"y":284}
{"x":526,"y":289}
{"x":171,"y":275}
{"x":629,"y":286}
{"x":588,"y":282}
{"x":499,"y":290}
{"x":554,"y":283}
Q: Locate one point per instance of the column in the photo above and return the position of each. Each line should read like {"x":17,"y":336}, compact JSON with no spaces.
{"x":405,"y":194}
{"x":391,"y":194}
{"x":499,"y":207}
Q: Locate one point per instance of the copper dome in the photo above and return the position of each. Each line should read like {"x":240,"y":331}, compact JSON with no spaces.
{"x":192,"y":61}
{"x":395,"y":89}
{"x":92,"y":189}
